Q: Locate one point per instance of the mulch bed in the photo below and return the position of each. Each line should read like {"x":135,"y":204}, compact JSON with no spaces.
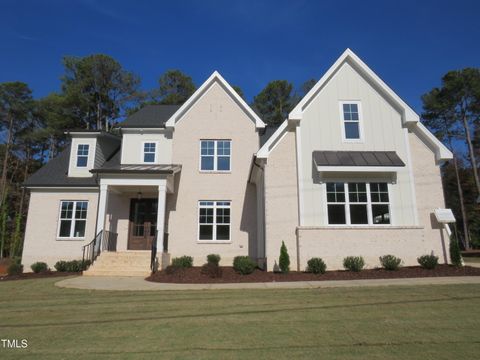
{"x":194,"y":275}
{"x":46,"y":274}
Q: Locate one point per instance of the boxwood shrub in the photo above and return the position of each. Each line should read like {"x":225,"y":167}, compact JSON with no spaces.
{"x":39,"y":267}
{"x":71,"y":266}
{"x":316,"y":266}
{"x":390,"y":262}
{"x":353,"y":263}
{"x":213,"y":259}
{"x":428,"y":261}
{"x":15,"y":269}
{"x":244,"y":265}
{"x":182,"y":262}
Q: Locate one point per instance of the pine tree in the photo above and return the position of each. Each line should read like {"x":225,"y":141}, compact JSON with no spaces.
{"x":284,"y":261}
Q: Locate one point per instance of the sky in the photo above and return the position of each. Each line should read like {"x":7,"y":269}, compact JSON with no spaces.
{"x":409,"y":44}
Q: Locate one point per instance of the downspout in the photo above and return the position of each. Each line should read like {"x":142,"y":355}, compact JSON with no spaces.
{"x":264,"y":227}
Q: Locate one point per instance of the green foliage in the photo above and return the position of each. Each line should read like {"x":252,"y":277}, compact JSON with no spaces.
{"x":71,"y":266}
{"x":213,"y":259}
{"x":353,"y":263}
{"x":182,"y":262}
{"x":239,"y":91}
{"x":244,"y":265}
{"x":284,"y":260}
{"x":212,"y":270}
{"x":428,"y":261}
{"x":15,"y":269}
{"x":39,"y":267}
{"x":307,"y":86}
{"x":390,"y":262}
{"x":175,"y":87}
{"x":275,"y":101}
{"x":316,"y":266}
{"x":61,"y":266}
{"x":455,"y":254}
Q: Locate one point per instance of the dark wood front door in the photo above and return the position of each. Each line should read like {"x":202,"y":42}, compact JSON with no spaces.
{"x":143,"y":223}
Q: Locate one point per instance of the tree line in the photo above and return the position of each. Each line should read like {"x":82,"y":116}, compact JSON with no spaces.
{"x":97,"y":92}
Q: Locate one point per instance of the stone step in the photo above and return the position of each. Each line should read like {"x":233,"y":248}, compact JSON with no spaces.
{"x":120,"y":264}
{"x":116,"y":273}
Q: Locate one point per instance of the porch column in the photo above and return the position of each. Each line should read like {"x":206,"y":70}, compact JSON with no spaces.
{"x":162,"y":200}
{"x":102,"y":207}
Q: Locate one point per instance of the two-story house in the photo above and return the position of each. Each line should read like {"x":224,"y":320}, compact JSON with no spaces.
{"x":350,"y":172}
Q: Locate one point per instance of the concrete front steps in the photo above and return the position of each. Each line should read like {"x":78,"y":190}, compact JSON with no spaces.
{"x":122,"y":263}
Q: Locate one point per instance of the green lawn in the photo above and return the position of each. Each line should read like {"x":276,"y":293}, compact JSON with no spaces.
{"x":421,"y":322}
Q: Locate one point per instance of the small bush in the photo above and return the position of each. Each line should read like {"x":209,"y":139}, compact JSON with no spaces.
{"x":455,"y":255}
{"x":182,"y":262}
{"x":211,"y":270}
{"x":390,"y":262}
{"x":353,"y":263}
{"x":39,"y":267}
{"x":284,"y":261}
{"x":74,"y":266}
{"x":71,"y":266}
{"x":15,"y":269}
{"x":428,"y":261}
{"x":213,"y":259}
{"x":244,"y":265}
{"x":60,"y":266}
{"x":316,"y":266}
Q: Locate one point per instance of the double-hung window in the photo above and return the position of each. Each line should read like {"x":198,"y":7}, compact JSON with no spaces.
{"x":351,"y":121}
{"x":215,"y":155}
{"x":149,"y":151}
{"x":358,"y":203}
{"x":73,"y":219}
{"x":82,"y":155}
{"x":214,"y":221}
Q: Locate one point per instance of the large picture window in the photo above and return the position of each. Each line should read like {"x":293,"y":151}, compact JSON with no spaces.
{"x":215,"y":155}
{"x":358,"y":203}
{"x":214,"y":220}
{"x":82,"y":155}
{"x":73,"y":219}
{"x":351,"y":121}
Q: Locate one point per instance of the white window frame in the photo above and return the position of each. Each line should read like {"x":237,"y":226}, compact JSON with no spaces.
{"x":360,"y":121}
{"x":369,"y":204}
{"x":72,"y":220}
{"x":215,"y":206}
{"x":215,"y":156}
{"x":155,"y":154}
{"x":87,"y":156}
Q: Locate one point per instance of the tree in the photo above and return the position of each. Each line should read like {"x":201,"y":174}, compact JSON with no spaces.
{"x":455,"y":255}
{"x":458,"y":100}
{"x":174,"y":88}
{"x":284,"y":260}
{"x":97,"y":89}
{"x":275,"y":101}
{"x":307,"y":86}
{"x":239,"y":91}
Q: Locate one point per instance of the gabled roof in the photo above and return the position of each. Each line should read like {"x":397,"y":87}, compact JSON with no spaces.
{"x":214,"y":78}
{"x":150,"y":116}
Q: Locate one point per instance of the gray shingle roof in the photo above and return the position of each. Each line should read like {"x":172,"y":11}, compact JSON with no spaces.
{"x":357,"y":158}
{"x":54,"y":174}
{"x":150,"y":116}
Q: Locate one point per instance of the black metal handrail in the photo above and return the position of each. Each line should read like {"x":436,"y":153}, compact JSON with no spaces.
{"x":153,"y":255}
{"x":104,"y":241}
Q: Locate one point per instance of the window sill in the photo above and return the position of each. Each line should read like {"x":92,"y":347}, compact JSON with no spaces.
{"x":70,"y":239}
{"x":214,"y":241}
{"x":215,"y":172}
{"x":361,"y":227}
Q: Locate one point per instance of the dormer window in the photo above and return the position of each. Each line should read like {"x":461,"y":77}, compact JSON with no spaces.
{"x":351,"y":127}
{"x":82,"y":155}
{"x":149,"y":151}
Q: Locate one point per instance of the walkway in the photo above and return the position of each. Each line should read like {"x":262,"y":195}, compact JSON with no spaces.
{"x":140,"y":284}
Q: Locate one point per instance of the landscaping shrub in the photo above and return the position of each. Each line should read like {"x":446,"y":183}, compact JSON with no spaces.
{"x":212,"y":270}
{"x":390,"y":262}
{"x":244,"y":265}
{"x":213,"y":259}
{"x":455,"y":255}
{"x":182,"y":262}
{"x":39,"y":267}
{"x":71,"y":266}
{"x":15,"y":269}
{"x":61,"y":266}
{"x":316,"y":266}
{"x":428,"y":261}
{"x":353,"y":263}
{"x":284,"y":261}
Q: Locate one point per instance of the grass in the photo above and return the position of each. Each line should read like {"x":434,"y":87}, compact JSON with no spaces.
{"x":471,"y":260}
{"x":421,"y":322}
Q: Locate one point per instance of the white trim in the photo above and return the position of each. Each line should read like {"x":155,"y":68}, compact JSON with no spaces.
{"x":356,"y":169}
{"x":214,"y":224}
{"x":298,"y":151}
{"x":60,"y":188}
{"x":361,"y":138}
{"x":411,"y":177}
{"x":273,"y":141}
{"x":442,"y":153}
{"x":214,"y":78}
{"x":215,"y":157}
{"x":73,"y":219}
{"x":142,"y":152}
{"x":87,"y":156}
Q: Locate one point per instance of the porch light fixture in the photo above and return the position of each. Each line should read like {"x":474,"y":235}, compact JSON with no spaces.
{"x":139,"y":195}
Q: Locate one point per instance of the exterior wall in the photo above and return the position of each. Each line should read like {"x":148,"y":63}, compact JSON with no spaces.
{"x":281,"y":201}
{"x":132,"y":146}
{"x":215,"y":115}
{"x":105,"y":147}
{"x":73,"y":171}
{"x":41,"y":242}
{"x":117,"y":219}
{"x":321,"y":129}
